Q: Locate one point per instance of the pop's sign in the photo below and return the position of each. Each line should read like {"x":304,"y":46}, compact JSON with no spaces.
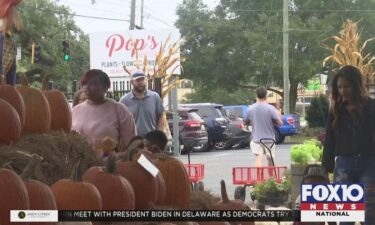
{"x":332,"y":202}
{"x":110,"y":51}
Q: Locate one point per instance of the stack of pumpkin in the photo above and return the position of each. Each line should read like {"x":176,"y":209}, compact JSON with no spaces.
{"x":121,"y":185}
{"x":25,"y":109}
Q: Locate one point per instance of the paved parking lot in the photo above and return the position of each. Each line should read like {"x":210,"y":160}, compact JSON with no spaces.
{"x":219,"y":164}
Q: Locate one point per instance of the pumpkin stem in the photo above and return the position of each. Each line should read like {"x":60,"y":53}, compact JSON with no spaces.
{"x":111,"y":164}
{"x":133,"y":147}
{"x":45,"y":82}
{"x":24,"y":80}
{"x":2,"y":79}
{"x":29,"y":169}
{"x":224,"y":194}
{"x":76,"y":175}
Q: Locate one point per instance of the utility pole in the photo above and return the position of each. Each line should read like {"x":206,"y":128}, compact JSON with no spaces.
{"x":132,"y":15}
{"x":142,"y":13}
{"x":286,"y":55}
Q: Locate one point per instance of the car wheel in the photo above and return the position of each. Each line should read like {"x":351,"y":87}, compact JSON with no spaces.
{"x":199,"y":148}
{"x":237,"y":145}
{"x":279,"y":138}
{"x":221,"y":145}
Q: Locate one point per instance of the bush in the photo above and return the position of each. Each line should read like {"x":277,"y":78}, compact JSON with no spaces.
{"x":309,"y":151}
{"x":317,"y":114}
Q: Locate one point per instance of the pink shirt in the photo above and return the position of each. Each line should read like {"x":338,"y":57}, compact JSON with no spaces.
{"x":108,"y":119}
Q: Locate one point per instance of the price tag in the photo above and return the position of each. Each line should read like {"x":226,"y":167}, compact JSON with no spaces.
{"x":143,"y":161}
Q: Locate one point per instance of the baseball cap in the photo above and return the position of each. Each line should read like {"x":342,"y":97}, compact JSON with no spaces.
{"x":137,"y":74}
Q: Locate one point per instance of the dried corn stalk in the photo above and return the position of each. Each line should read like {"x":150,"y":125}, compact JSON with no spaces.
{"x":167,"y":56}
{"x":348,"y":50}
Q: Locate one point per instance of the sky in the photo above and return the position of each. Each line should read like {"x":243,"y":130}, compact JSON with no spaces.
{"x":158,"y":14}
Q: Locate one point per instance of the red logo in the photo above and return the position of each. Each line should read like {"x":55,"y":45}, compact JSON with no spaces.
{"x":118,"y":42}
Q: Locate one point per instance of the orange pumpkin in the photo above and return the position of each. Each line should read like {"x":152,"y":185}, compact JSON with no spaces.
{"x":38,"y":114}
{"x":162,"y":194}
{"x":10,"y":125}
{"x":40,"y":195}
{"x":13,"y":195}
{"x":61,"y":115}
{"x":144,"y":184}
{"x":117,"y":193}
{"x":176,"y":180}
{"x":73,"y":194}
{"x":14,"y":98}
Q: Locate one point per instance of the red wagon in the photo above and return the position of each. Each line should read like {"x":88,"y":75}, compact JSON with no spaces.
{"x":249,"y":176}
{"x":196,"y":175}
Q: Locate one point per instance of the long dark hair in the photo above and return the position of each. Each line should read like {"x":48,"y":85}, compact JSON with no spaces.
{"x":359,"y":94}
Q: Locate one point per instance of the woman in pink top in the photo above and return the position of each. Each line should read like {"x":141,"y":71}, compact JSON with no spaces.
{"x":100,"y":117}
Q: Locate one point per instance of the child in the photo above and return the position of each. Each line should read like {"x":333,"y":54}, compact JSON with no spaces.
{"x":314,"y":174}
{"x":155,"y":141}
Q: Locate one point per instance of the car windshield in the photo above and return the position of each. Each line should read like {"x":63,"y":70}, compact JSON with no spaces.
{"x":194,"y":116}
{"x":210,"y":112}
{"x":234,"y":112}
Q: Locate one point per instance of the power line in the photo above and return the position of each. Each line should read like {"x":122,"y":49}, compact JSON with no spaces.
{"x":85,"y":6}
{"x":78,"y":15}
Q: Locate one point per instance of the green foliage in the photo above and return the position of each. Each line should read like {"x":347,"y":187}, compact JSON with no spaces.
{"x":317,"y":114}
{"x":221,"y":96}
{"x":308,"y":152}
{"x":47,"y":25}
{"x":271,"y":188}
{"x":239,"y":43}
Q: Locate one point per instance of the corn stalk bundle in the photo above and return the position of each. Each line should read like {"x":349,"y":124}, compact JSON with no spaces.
{"x":348,"y":50}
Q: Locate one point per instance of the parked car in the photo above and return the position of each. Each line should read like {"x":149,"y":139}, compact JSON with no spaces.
{"x":240,"y":134}
{"x":216,"y":121}
{"x":291,"y":122}
{"x":192,"y":130}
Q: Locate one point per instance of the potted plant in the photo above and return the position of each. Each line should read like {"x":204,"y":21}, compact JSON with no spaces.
{"x":271,"y":192}
{"x":310,"y":152}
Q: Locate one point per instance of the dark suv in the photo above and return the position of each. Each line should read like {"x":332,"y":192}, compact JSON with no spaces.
{"x":193,"y":132}
{"x":216,"y":121}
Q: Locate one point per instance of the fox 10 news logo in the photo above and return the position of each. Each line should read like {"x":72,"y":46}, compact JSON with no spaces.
{"x":332,"y":202}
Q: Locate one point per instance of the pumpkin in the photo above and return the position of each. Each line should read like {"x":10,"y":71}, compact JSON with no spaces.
{"x":61,"y":115}
{"x":162,"y":194}
{"x":14,"y":98}
{"x":13,"y":195}
{"x":40,"y":195}
{"x":73,"y":194}
{"x":117,"y":193}
{"x":227,"y":204}
{"x":10,"y":125}
{"x":176,"y":180}
{"x":38,"y":114}
{"x":144,"y":184}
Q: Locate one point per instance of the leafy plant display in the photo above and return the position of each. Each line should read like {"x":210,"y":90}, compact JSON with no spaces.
{"x":271,"y":190}
{"x":309,"y":151}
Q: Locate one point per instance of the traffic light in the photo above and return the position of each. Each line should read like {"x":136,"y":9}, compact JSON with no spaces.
{"x":66,"y":50}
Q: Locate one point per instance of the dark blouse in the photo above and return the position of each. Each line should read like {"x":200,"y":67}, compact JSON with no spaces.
{"x":349,"y":138}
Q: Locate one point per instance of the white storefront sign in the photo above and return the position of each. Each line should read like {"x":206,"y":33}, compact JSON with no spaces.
{"x":110,"y":51}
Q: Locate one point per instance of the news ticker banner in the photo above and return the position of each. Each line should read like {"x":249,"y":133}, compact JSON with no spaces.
{"x":332,"y":202}
{"x":153,"y":215}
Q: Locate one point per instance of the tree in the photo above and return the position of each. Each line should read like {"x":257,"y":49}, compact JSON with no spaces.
{"x":239,"y":43}
{"x":48,"y":25}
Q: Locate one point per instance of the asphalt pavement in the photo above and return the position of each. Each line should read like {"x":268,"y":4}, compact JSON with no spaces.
{"x":219,"y":164}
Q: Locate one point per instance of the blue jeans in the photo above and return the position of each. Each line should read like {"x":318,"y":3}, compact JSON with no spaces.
{"x":358,"y":169}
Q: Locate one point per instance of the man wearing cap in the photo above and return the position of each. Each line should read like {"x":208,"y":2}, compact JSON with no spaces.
{"x":145,"y":105}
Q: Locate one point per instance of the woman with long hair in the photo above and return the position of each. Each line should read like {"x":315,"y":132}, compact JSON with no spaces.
{"x":349,"y":150}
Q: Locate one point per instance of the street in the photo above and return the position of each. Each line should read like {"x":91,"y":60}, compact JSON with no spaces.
{"x":219,"y":164}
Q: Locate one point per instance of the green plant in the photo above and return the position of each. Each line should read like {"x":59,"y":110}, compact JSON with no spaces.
{"x":309,"y":151}
{"x":271,"y":190}
{"x":317,"y":114}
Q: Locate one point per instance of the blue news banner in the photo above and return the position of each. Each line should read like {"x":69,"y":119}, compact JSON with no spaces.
{"x":180,"y":215}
